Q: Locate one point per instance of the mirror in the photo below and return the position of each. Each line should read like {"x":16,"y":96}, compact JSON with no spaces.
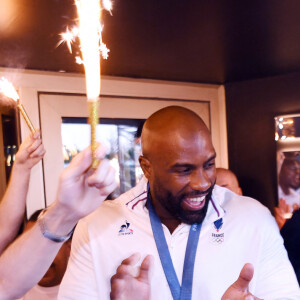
{"x":287,"y":136}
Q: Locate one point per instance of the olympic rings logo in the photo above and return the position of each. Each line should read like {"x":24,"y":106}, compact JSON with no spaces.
{"x":218,"y":240}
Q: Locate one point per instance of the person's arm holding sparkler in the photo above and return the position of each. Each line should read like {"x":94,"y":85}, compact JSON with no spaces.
{"x":12,"y":207}
{"x":81,"y":190}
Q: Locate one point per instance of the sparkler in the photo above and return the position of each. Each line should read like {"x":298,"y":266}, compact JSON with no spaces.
{"x":89,"y":33}
{"x":7,"y":89}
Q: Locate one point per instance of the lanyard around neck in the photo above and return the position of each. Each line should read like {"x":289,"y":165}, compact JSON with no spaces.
{"x":185,"y":291}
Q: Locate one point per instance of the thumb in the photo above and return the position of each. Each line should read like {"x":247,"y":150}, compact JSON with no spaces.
{"x":245,"y":277}
{"x":132,"y":259}
{"x":146,"y":268}
{"x":79,"y":164}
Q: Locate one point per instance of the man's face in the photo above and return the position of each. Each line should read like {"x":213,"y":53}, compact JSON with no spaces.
{"x":58,"y":267}
{"x":291,"y":174}
{"x":183,"y":177}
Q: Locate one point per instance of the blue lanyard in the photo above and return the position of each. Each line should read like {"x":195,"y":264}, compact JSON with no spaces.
{"x":185,"y":291}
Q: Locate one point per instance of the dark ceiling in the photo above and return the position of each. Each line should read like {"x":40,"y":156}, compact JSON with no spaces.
{"x":210,"y":41}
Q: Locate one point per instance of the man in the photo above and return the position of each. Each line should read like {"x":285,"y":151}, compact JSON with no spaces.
{"x":289,"y":183}
{"x":12,"y":206}
{"x":47,"y":288}
{"x":227,"y":179}
{"x":288,"y":190}
{"x":166,"y":215}
{"x":80,"y":191}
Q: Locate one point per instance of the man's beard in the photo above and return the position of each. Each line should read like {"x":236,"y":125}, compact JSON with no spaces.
{"x":173,"y":205}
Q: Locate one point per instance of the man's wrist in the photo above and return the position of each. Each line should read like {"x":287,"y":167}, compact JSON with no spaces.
{"x":59,"y":220}
{"x":48,"y":234}
{"x":21,"y":167}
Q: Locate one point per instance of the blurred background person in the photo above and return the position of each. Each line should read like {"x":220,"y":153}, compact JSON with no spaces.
{"x":228,"y":179}
{"x":48,"y":286}
{"x":288,"y":190}
{"x":289,"y":183}
{"x":12,"y":206}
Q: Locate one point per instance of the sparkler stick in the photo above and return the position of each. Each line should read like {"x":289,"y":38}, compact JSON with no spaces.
{"x":89,"y":33}
{"x":26,"y":118}
{"x":7,"y":89}
{"x":89,"y":13}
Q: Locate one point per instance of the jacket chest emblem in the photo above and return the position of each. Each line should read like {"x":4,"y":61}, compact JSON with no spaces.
{"x":125,"y":229}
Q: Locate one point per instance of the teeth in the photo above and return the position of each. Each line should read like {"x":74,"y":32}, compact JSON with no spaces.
{"x":197,"y":199}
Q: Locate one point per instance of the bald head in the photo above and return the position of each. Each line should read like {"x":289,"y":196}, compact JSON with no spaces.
{"x":179,"y":162}
{"x":227,"y":178}
{"x":171,"y":124}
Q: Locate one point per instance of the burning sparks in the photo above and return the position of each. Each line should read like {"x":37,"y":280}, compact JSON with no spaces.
{"x":70,"y":36}
{"x":107,"y":5}
{"x":7,"y":89}
{"x":89,"y":13}
{"x":67,"y":37}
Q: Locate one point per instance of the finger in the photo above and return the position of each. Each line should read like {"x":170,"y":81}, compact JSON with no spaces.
{"x":132,"y":259}
{"x":128,"y":267}
{"x":146,"y":268}
{"x":124,"y":271}
{"x":105,"y":191}
{"x":82,"y":161}
{"x":79,"y":164}
{"x":245,"y":277}
{"x":281,"y":202}
{"x":39,"y":152}
{"x":37,"y":134}
{"x":101,"y":151}
{"x":103,"y":176}
{"x":99,"y":175}
{"x":34,"y":145}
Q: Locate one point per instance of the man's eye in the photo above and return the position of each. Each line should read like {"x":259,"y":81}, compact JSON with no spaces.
{"x":209,"y":165}
{"x":184,"y":171}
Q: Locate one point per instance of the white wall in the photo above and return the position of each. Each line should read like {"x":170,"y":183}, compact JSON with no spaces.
{"x":47,"y":96}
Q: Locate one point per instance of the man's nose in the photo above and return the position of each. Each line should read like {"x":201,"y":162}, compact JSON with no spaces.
{"x":200,"y":181}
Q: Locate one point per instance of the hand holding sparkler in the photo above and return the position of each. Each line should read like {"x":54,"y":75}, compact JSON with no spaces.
{"x":30,"y":152}
{"x":82,"y":190}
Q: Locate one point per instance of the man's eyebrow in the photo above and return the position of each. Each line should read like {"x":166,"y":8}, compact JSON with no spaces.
{"x":183,"y":165}
{"x":187,"y":165}
{"x":212,"y":158}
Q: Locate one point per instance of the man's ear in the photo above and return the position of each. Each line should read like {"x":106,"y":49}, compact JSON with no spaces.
{"x":145,"y":165}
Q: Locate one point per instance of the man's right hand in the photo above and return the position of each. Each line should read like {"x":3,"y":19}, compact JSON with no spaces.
{"x":131,"y":282}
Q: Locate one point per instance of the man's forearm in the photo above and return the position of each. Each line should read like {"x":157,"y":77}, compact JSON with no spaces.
{"x":34,"y":253}
{"x":12,"y":206}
